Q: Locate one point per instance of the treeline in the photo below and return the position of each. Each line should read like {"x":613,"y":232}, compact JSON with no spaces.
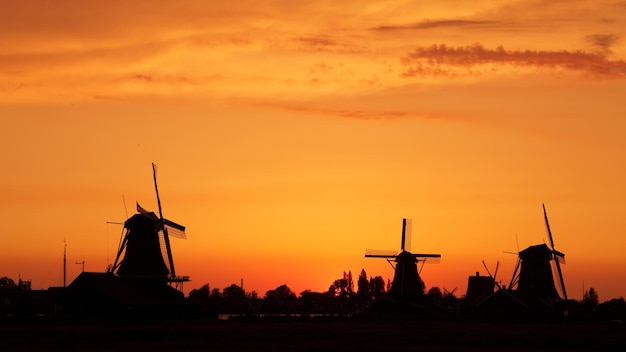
{"x":341,"y":298}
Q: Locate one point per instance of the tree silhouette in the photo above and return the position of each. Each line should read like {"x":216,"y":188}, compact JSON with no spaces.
{"x":377,"y":286}
{"x":343,"y":287}
{"x":201,"y":294}
{"x":233,"y":292}
{"x":281,"y":299}
{"x":350,"y":282}
{"x":282,"y":292}
{"x":363,"y":286}
{"x":6,"y":282}
{"x":203,"y":299}
{"x":590,"y":298}
{"x":234,"y":298}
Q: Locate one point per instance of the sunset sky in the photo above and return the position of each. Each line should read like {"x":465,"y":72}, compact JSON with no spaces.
{"x":291,"y":136}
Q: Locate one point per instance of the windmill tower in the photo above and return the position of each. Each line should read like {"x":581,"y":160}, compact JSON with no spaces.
{"x":533,"y":275}
{"x":145,"y":247}
{"x":406,"y":280}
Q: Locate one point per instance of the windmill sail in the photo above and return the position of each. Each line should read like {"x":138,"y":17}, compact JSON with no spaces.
{"x":380,"y":253}
{"x":428,"y":258}
{"x":556,"y":254}
{"x":174,"y":229}
{"x":406,"y":245}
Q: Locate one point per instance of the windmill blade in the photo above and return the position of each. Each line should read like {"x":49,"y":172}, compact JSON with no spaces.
{"x":560,"y":259}
{"x":120,"y":250}
{"x":428,"y":258}
{"x":420,"y":255}
{"x":174,"y":229}
{"x":558,"y":256}
{"x":408,"y":229}
{"x":493,"y":277}
{"x":496,"y":272}
{"x":515,"y":277}
{"x":558,"y":265}
{"x":486,"y":268}
{"x":380,"y":253}
{"x":558,"y":268}
{"x":545,"y":216}
{"x":166,"y":236}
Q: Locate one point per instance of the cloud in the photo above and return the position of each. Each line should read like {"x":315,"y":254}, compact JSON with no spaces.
{"x":428,"y":24}
{"x":603,"y":41}
{"x":441,"y":60}
{"x":365,"y":114}
{"x":324,"y":43}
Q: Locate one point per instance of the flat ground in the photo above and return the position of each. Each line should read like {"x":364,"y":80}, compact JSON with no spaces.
{"x":347,"y":334}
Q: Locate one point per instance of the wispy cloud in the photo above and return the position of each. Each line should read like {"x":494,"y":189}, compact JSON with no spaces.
{"x":357,"y":113}
{"x":603,"y":41}
{"x":325,"y":43}
{"x":428,"y":24}
{"x":441,"y":60}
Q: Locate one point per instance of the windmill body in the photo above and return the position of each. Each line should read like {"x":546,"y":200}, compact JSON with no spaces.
{"x":533,"y":275}
{"x":143,"y":257}
{"x":407,"y":282}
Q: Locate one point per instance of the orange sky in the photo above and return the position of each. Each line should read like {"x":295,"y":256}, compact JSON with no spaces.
{"x":291,"y":137}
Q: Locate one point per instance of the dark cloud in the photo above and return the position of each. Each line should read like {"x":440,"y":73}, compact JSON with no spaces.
{"x":439,"y":59}
{"x":427,"y":24}
{"x":323,"y":43}
{"x":356,"y":113}
{"x":174,"y":80}
{"x":603,"y":41}
{"x":346,"y":113}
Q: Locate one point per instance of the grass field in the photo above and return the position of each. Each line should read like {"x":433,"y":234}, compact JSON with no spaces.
{"x":346,"y":334}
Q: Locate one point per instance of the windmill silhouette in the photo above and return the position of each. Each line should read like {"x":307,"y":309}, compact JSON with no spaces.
{"x":533,"y":272}
{"x":480,"y":288}
{"x":406,"y":280}
{"x":146,"y":249}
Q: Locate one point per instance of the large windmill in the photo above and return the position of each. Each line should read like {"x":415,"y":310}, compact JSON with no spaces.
{"x":406,"y":279}
{"x":146,"y":250}
{"x":533,"y":273}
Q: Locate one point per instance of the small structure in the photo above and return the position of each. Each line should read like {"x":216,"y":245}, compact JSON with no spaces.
{"x":478,"y":288}
{"x":110,"y":296}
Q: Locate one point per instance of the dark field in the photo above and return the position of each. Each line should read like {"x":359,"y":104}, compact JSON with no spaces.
{"x":345,"y":334}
